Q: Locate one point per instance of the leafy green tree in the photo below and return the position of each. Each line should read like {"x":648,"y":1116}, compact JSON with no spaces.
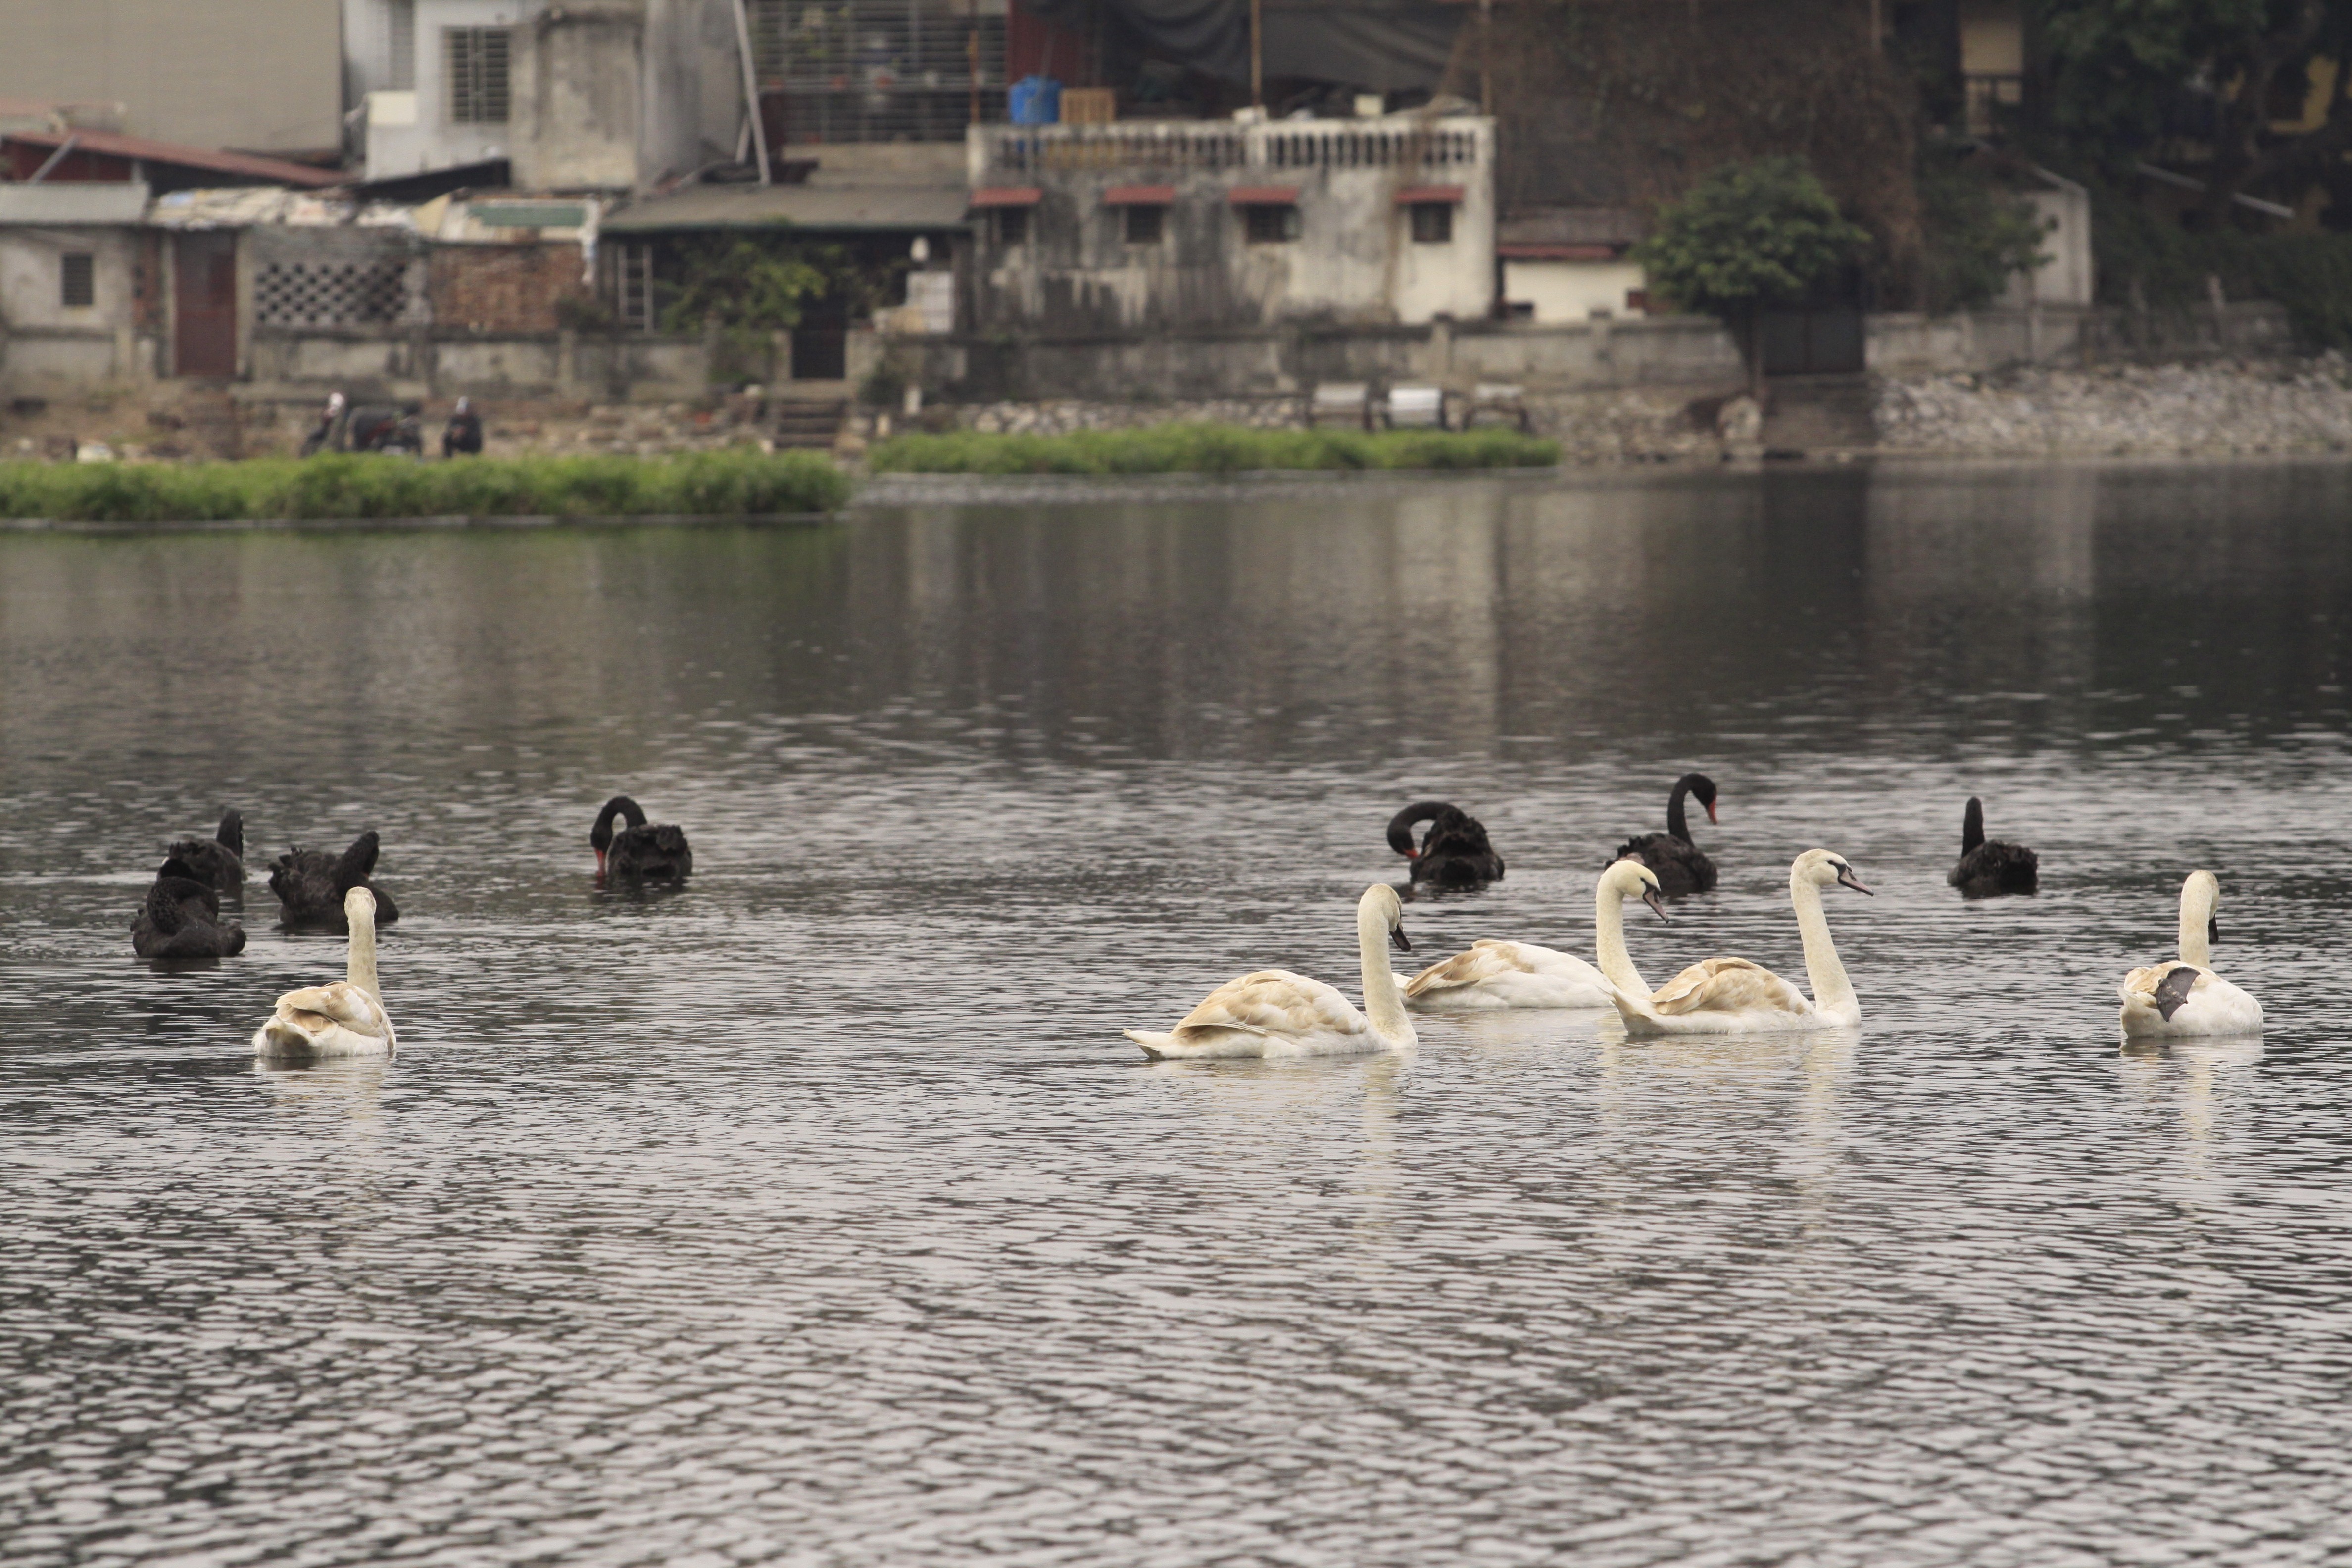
{"x":2116,"y":67}
{"x":1745,"y":239}
{"x":744,"y":285}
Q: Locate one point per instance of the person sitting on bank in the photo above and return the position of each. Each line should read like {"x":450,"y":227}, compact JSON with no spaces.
{"x":465,"y":432}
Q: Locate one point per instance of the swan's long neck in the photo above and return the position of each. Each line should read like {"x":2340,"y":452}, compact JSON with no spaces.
{"x":1677,"y":820}
{"x":1833,"y":991}
{"x":2197,"y":924}
{"x":363,"y":969}
{"x":1971,"y":828}
{"x":1383,"y":1003}
{"x":1608,"y":941}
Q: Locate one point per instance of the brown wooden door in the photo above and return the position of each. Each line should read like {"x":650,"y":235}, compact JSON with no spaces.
{"x":205,"y":301}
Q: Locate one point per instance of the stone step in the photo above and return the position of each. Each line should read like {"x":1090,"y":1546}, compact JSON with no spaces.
{"x":806,"y":425}
{"x":1821,"y":414}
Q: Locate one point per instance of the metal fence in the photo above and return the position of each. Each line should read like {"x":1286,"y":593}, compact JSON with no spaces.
{"x":879,"y":70}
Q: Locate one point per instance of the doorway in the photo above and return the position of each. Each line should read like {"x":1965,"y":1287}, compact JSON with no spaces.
{"x":204,"y":342}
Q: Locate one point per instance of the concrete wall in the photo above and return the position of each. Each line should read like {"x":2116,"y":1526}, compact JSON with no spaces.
{"x":440,"y":362}
{"x":261,"y":75}
{"x":1592,"y":354}
{"x":1286,"y":361}
{"x":1571,"y":290}
{"x":46,"y":345}
{"x":1354,"y":259}
{"x":1903,"y":343}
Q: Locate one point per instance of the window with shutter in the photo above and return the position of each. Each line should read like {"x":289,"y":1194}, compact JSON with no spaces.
{"x":475,"y":74}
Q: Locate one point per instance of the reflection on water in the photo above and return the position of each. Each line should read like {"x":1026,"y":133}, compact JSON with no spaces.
{"x":817,"y":1212}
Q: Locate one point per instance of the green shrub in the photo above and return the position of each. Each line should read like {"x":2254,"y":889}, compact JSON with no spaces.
{"x":1977,"y":234}
{"x":1207,"y":450}
{"x":725,"y":484}
{"x":2309,"y":273}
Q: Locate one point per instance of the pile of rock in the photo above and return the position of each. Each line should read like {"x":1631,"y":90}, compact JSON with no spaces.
{"x":1063,"y":416}
{"x":2208,"y":410}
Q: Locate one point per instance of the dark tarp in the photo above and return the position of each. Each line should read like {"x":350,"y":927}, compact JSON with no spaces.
{"x":1383,"y":44}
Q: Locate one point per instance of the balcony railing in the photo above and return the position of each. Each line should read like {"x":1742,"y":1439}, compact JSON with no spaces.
{"x":1008,"y":151}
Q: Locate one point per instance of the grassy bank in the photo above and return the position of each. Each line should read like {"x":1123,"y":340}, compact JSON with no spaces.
{"x":727,"y":484}
{"x":1207,"y":450}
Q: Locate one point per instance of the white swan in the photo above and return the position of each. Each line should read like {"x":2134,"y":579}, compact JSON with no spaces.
{"x":2188,"y":997}
{"x":344,"y":1020}
{"x":1521,"y":974}
{"x":1733,"y":997}
{"x":1274,"y":1012}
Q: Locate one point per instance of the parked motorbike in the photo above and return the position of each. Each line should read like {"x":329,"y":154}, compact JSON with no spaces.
{"x":366,"y":429}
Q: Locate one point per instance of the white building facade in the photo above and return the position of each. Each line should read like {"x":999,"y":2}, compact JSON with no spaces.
{"x":1144,"y":225}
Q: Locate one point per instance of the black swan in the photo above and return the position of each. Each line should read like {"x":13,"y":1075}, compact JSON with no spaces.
{"x":181,"y":919}
{"x":310,"y":885}
{"x":1680,"y":866}
{"x":643,"y":851}
{"x":219,"y":860}
{"x":1454,"y":853}
{"x":1990,"y":869}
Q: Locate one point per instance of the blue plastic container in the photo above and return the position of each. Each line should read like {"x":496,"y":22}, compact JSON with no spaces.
{"x":1034,"y":100}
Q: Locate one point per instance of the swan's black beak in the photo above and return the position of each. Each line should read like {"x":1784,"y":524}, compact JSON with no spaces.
{"x":1397,"y":940}
{"x":1846,"y":879}
{"x":2212,"y":930}
{"x":1657,"y":905}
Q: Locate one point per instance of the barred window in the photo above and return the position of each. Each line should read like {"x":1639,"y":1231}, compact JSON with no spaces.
{"x":76,"y":280}
{"x":1433,"y":223}
{"x":475,"y":77}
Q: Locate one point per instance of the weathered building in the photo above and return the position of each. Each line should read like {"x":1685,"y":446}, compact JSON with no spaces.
{"x":257,"y":75}
{"x":1227,"y":223}
{"x":583,"y":95}
{"x":87,"y":291}
{"x":1570,"y":264}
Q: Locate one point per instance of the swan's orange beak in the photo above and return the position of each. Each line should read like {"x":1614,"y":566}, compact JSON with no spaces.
{"x":1657,"y":905}
{"x":1710,"y":812}
{"x":600,"y":863}
{"x":1412,"y":853}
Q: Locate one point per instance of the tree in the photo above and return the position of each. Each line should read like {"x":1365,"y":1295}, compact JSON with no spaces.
{"x":741,"y":284}
{"x":1979,"y":234}
{"x":2120,"y":73}
{"x":1745,"y":238}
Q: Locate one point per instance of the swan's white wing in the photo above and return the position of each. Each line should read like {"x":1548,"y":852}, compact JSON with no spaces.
{"x":1728,"y":985}
{"x":342,"y":1003}
{"x":2198,"y":1003}
{"x":1277,"y":1002}
{"x":1509,"y":975}
{"x":1486,"y":960}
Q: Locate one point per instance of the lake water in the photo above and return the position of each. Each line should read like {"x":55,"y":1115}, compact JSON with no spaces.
{"x":819,"y":1215}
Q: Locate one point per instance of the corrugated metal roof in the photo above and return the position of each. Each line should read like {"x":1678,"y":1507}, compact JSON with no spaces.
{"x":888,"y":207}
{"x":106,"y":144}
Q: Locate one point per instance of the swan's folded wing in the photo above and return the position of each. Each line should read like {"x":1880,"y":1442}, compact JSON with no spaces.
{"x":342,"y":1003}
{"x":1276,"y":1001}
{"x":1484,"y":962}
{"x":1728,"y":985}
